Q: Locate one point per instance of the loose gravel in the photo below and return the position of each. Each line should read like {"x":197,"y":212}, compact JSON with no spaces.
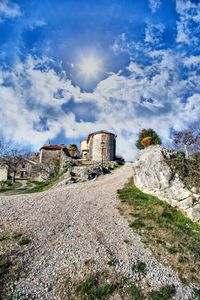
{"x":70,"y":225}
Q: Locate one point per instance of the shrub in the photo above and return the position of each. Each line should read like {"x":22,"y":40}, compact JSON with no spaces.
{"x":147,"y":133}
{"x":5,"y":183}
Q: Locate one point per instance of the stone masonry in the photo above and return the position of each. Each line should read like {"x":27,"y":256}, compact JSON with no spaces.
{"x":102,"y":143}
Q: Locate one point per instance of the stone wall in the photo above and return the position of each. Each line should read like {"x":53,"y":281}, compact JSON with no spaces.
{"x":153,"y":176}
{"x":95,"y":147}
{"x":84,"y":149}
{"x":3,"y":173}
{"x":49,"y":155}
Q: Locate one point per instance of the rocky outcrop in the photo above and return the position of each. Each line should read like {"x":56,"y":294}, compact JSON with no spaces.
{"x":82,"y":173}
{"x":153,"y":175}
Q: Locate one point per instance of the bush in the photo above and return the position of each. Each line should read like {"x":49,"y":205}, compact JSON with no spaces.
{"x":5,"y":183}
{"x":196,"y":156}
{"x":188,"y":171}
{"x":152,"y":136}
{"x":180,"y":154}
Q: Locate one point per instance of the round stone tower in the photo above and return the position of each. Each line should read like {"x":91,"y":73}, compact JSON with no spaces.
{"x":102,"y":145}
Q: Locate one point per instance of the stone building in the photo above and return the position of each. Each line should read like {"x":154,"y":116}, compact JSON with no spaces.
{"x":25,"y":170}
{"x":50,"y":152}
{"x":99,"y":145}
{"x":84,"y":149}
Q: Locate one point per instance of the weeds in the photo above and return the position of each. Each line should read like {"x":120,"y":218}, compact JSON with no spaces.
{"x":165,"y":293}
{"x":24,"y":242}
{"x":172,"y":250}
{"x":140,"y":267}
{"x":135,"y":292}
{"x":197,"y":294}
{"x":113,"y":262}
{"x":92,"y":289}
{"x":10,"y":262}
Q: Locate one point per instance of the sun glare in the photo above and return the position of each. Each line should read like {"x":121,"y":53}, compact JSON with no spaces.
{"x":90,"y":66}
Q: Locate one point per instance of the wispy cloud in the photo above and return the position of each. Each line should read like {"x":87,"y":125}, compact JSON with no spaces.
{"x":9,"y":9}
{"x":154,"y":33}
{"x":38,"y":23}
{"x":154,"y":5}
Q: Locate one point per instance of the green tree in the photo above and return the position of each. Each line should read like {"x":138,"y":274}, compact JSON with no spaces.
{"x":148,"y":133}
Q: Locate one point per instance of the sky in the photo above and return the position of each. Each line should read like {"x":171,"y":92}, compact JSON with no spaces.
{"x":69,"y":68}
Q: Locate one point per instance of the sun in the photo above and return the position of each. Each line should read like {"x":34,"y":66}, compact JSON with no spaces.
{"x":90,"y":66}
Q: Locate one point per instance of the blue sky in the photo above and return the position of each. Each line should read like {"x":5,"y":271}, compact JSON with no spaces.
{"x":68,"y":68}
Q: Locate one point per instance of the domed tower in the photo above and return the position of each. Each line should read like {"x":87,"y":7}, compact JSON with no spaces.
{"x":102,"y":145}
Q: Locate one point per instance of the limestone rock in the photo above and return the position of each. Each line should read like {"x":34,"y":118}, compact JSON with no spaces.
{"x":196,"y":213}
{"x":153,"y":176}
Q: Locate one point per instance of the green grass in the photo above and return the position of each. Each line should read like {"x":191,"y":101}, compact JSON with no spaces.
{"x":197,"y":294}
{"x":113,"y":262}
{"x":16,"y":185}
{"x":135,"y":292}
{"x":140,"y":267}
{"x":165,"y":293}
{"x":172,"y":250}
{"x":42,"y":186}
{"x":92,"y":289}
{"x":168,"y":233}
{"x":109,"y":284}
{"x":24,"y":242}
{"x":4,"y":264}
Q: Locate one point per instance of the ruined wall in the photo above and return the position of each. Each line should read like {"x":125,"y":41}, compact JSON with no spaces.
{"x":48,"y":155}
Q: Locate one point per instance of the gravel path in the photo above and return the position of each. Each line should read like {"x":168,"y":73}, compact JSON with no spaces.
{"x":72,"y":224}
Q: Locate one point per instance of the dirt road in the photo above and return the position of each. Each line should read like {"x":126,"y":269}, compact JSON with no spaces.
{"x":72,"y":226}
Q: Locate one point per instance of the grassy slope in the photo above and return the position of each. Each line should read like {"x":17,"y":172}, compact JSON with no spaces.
{"x":17,"y":185}
{"x":172,"y":237}
{"x":42,"y":186}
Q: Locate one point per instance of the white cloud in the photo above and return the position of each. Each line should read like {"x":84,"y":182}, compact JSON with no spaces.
{"x":38,"y":23}
{"x":192,"y":60}
{"x":122,"y":44}
{"x":188,"y":29}
{"x":153,"y":33}
{"x":154,"y":5}
{"x":152,"y":96}
{"x":9,"y":9}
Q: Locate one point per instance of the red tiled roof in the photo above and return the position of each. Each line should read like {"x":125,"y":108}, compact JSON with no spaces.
{"x":53,"y":147}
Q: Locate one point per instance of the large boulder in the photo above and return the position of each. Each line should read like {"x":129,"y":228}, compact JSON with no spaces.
{"x":154,"y":176}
